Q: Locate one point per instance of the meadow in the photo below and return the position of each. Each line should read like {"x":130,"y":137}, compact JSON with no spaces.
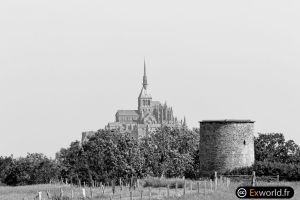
{"x":158,"y":189}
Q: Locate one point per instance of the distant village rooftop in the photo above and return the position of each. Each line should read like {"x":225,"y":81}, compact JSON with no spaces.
{"x":228,"y":121}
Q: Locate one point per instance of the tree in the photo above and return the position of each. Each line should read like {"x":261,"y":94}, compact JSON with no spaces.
{"x":105,"y":156}
{"x":170,"y":152}
{"x":274,"y":148}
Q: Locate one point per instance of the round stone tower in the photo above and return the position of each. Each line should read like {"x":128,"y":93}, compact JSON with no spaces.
{"x":225,"y":145}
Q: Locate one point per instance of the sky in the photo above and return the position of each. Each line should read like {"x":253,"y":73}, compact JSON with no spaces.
{"x":67,"y":66}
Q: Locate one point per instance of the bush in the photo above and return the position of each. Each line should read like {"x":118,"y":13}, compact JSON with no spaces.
{"x":163,"y":182}
{"x":288,"y":172}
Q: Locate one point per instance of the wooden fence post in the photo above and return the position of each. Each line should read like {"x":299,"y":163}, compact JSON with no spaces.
{"x":40,"y":195}
{"x":204,"y":187}
{"x":211,"y":185}
{"x":103,"y":188}
{"x":191,"y":186}
{"x":227,"y":182}
{"x":120,"y":183}
{"x":91,"y":192}
{"x":83,"y":193}
{"x":216,"y":180}
{"x":198,"y":187}
{"x":149,"y":193}
{"x":176,"y":186}
{"x":253,"y":179}
{"x":184,"y":187}
{"x":278,"y":178}
{"x":61,"y":193}
{"x":141,"y":194}
{"x":168,"y":191}
{"x":72,"y":194}
{"x":113,"y":186}
{"x":130,"y":195}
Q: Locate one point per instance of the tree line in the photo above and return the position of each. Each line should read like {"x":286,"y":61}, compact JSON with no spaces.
{"x":167,"y":152}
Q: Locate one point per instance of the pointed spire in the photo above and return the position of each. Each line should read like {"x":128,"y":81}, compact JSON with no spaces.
{"x":145,"y":83}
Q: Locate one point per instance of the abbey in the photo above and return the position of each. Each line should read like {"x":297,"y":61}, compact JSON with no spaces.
{"x":148,"y":116}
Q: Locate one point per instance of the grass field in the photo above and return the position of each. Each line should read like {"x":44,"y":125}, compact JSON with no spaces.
{"x":222,"y":192}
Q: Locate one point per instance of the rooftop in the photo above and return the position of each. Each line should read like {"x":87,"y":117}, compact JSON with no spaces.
{"x":228,"y":121}
{"x":127,"y":112}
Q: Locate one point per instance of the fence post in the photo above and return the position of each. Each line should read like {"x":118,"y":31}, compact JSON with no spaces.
{"x":204,"y":187}
{"x":191,"y":186}
{"x":40,"y":195}
{"x":113,"y":186}
{"x":184,"y":187}
{"x":211,"y":185}
{"x":216,"y":180}
{"x":227,"y":183}
{"x":168,"y":191}
{"x":198,"y":187}
{"x":91,"y":192}
{"x":120,"y":183}
{"x":149,"y":193}
{"x":278,"y":178}
{"x":103,"y":188}
{"x":130,"y":195}
{"x":253,"y":179}
{"x":61,"y":193}
{"x":83,"y":193}
{"x":72,"y":194}
{"x":141,"y":194}
{"x":176,"y":186}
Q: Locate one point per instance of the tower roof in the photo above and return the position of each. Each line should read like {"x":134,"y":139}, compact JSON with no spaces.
{"x":145,"y":92}
{"x":228,"y":121}
{"x":145,"y":83}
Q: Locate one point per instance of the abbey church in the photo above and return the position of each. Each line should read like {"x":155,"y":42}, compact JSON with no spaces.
{"x":148,"y":116}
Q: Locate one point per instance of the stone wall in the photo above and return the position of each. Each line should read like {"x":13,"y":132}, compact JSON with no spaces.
{"x":225,"y":145}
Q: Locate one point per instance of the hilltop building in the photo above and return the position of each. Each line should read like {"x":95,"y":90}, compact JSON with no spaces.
{"x":148,"y":116}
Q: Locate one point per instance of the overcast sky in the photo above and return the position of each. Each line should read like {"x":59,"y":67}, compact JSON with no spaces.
{"x":67,"y":66}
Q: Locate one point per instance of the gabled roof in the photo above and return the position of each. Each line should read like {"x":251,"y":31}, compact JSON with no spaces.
{"x":127,"y":112}
{"x":154,"y":103}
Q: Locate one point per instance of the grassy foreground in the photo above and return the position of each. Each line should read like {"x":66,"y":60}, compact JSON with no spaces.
{"x":191,"y":193}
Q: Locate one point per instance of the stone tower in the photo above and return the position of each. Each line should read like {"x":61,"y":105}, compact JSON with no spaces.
{"x":144,"y":99}
{"x":225,"y":145}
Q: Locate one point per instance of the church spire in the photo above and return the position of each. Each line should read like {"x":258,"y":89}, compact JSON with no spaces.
{"x":145,"y":83}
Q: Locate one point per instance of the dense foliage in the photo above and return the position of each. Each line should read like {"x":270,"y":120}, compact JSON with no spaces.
{"x":32,"y":169}
{"x":274,"y":148}
{"x":102,"y":158}
{"x":274,"y":156}
{"x":286,"y":171}
{"x":167,"y":152}
{"x":170,"y":152}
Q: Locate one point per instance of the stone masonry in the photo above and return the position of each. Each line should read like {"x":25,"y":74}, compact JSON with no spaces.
{"x":225,"y":145}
